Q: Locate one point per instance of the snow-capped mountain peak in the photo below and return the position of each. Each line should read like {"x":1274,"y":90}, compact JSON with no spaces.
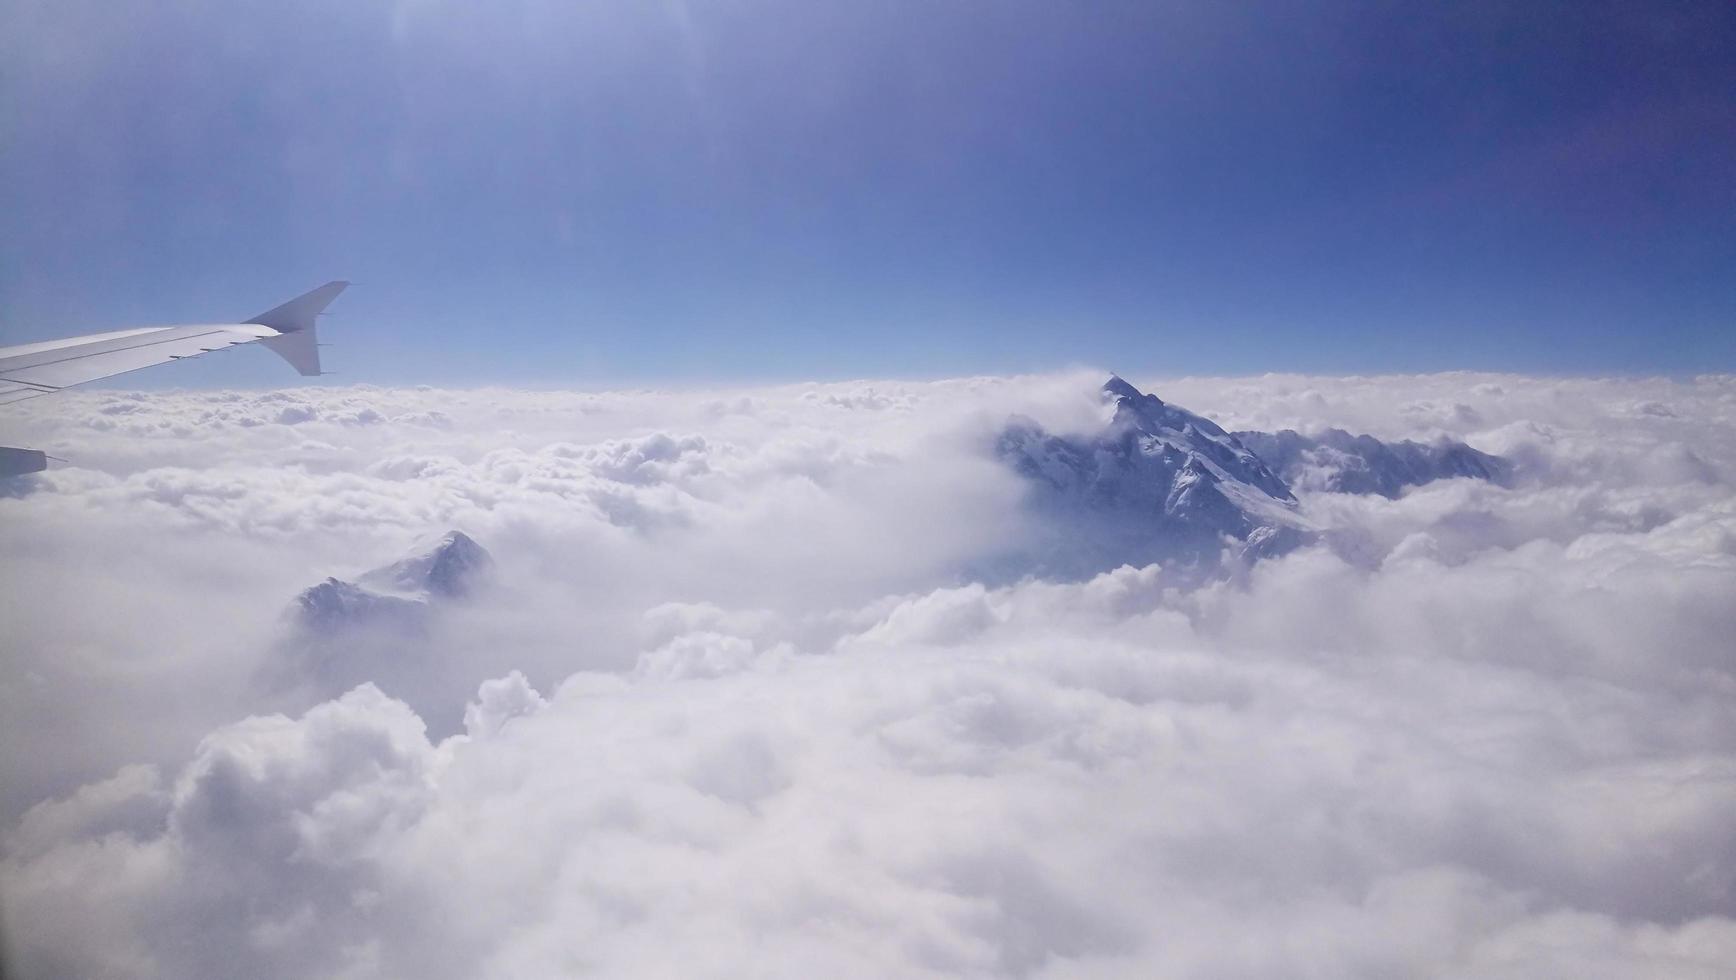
{"x":401,"y":594}
{"x":1157,"y":483}
{"x":1217,"y":450}
{"x":448,"y":568}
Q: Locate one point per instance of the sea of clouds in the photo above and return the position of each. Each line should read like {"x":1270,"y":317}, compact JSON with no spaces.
{"x":735,"y":705}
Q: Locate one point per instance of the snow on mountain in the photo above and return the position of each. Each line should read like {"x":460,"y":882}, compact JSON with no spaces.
{"x":1151,"y":416}
{"x":1339,"y":462}
{"x":1158,"y":483}
{"x":449,"y":569}
{"x":335,"y":604}
{"x":398,"y":594}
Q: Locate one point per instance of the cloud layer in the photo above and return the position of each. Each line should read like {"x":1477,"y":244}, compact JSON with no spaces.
{"x":737,"y":706}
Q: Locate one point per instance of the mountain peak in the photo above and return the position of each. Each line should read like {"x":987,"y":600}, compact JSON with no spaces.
{"x":1149,"y":418}
{"x":1158,"y":482}
{"x":448,"y":568}
{"x":1119,"y":388}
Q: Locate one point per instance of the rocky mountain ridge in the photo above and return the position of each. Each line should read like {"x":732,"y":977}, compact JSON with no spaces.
{"x":1160,"y":483}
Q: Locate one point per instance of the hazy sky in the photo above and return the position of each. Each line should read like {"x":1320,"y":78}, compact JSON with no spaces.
{"x":552,"y":192}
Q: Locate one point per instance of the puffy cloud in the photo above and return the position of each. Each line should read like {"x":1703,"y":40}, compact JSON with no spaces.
{"x":498,"y":702}
{"x":1476,"y":731}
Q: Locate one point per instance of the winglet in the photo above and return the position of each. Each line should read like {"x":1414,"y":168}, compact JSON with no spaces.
{"x":297,"y":341}
{"x":298,"y":314}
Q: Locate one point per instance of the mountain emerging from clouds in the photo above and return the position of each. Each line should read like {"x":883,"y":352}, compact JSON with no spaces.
{"x":399,"y":594}
{"x":335,"y":605}
{"x":380,"y":627}
{"x":1160,"y":483}
{"x":450,"y":569}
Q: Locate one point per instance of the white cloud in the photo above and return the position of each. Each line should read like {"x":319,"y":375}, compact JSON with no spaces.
{"x":498,"y":702}
{"x":1479,"y":732}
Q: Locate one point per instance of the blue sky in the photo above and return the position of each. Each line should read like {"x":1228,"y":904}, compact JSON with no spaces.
{"x":555,"y":192}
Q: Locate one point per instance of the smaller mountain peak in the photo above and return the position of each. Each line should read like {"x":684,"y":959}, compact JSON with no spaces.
{"x":335,"y":604}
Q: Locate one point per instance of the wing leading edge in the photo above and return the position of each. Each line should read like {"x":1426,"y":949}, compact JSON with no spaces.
{"x":288,"y":330}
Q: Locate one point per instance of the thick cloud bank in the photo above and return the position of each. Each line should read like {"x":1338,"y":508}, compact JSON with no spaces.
{"x":733,"y":702}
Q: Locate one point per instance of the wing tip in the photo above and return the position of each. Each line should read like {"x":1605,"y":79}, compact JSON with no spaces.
{"x":299,"y":313}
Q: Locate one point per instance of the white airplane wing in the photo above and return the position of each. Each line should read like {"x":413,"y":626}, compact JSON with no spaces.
{"x":29,"y":370}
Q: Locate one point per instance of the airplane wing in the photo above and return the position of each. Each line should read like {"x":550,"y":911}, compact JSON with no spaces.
{"x":39,"y":369}
{"x":29,"y":370}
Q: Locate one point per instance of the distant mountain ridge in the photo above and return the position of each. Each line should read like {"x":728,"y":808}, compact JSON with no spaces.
{"x":1160,"y":483}
{"x":1338,"y":462}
